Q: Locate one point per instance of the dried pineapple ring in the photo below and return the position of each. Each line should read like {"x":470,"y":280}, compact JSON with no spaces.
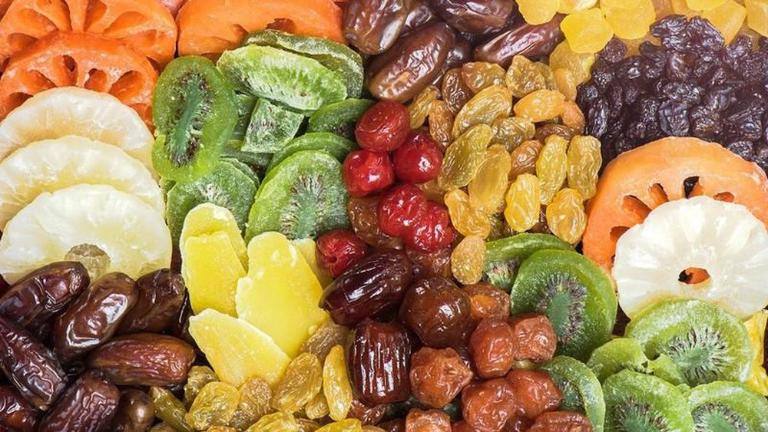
{"x":723,"y":243}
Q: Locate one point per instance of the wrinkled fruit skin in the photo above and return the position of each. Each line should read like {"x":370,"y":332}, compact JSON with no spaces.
{"x":384,"y":127}
{"x":400,"y":208}
{"x":372,"y":26}
{"x":418,"y":160}
{"x":373,"y":285}
{"x":561,"y":421}
{"x":432,"y":232}
{"x":363,"y":216}
{"x":379,"y":360}
{"x":135,"y":413}
{"x":491,"y":346}
{"x":44,"y":293}
{"x":534,"y":336}
{"x":93,"y":317}
{"x":535,"y":392}
{"x":367,"y":415}
{"x":487,"y":301}
{"x":15,"y":412}
{"x":433,"y":264}
{"x":427,"y":421}
{"x":437,"y":311}
{"x":31,"y":367}
{"x":488,"y":405}
{"x":88,"y":405}
{"x":532,"y":41}
{"x":144,"y":359}
{"x":474,"y":16}
{"x":160,"y":299}
{"x":339,"y":249}
{"x":366,"y":172}
{"x":438,"y":376}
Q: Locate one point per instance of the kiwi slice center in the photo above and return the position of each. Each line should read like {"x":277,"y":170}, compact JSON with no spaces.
{"x":700,"y":354}
{"x":304,"y":210}
{"x":713,"y":417}
{"x":185,"y":139}
{"x":563,"y":301}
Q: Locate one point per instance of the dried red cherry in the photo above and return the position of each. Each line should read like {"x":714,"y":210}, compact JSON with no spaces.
{"x":535,"y":392}
{"x":400,"y":208}
{"x":487,"y":301}
{"x":534,"y":338}
{"x":367,"y":171}
{"x":432,"y":232}
{"x":363,"y":216}
{"x":437,"y":311}
{"x":488,"y":405}
{"x":491,"y":346}
{"x":384,"y":127}
{"x":438,"y":376}
{"x":339,"y":249}
{"x":419,"y":159}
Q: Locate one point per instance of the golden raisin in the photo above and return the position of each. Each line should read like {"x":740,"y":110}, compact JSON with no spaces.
{"x":541,"y":105}
{"x":552,"y":167}
{"x":487,"y":189}
{"x":523,"y":203}
{"x":566,"y":217}
{"x":584,"y":161}
{"x":466,"y":219}
{"x":419,"y":108}
{"x":480,"y":75}
{"x":468,"y":260}
{"x":441,"y":123}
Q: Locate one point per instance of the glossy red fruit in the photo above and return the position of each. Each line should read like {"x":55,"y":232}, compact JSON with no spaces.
{"x":367,"y":171}
{"x":339,"y":249}
{"x":432,"y":232}
{"x":400,"y":208}
{"x":384,"y":127}
{"x":419,"y":159}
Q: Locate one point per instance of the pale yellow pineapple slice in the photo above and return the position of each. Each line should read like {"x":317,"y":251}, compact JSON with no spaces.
{"x":209,"y":218}
{"x":211,"y":268}
{"x":308,"y":248}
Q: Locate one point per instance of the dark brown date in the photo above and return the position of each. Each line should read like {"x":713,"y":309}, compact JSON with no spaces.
{"x":427,"y":421}
{"x":15,"y":412}
{"x":135,"y":413}
{"x":367,"y":415}
{"x":419,"y":13}
{"x":432,"y":264}
{"x":144,"y":359}
{"x":438,"y":376}
{"x":31,"y":367}
{"x":44,"y":293}
{"x":88,"y":405}
{"x":475,"y":16}
{"x":412,"y":63}
{"x":561,"y":421}
{"x":161,"y":295}
{"x":371,"y":286}
{"x":373,"y":26}
{"x":437,"y":311}
{"x":379,"y":359}
{"x":532,"y":41}
{"x":535,"y":392}
{"x":363,"y":217}
{"x":92,"y":318}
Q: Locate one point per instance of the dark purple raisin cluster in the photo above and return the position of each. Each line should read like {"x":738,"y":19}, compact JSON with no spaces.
{"x":690,"y":85}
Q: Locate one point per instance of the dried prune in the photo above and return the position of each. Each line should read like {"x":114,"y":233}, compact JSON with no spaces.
{"x":373,"y":26}
{"x":487,"y":301}
{"x":532,"y":41}
{"x":371,"y":286}
{"x":31,"y":367}
{"x":489,"y":404}
{"x":427,"y":421}
{"x":437,"y":311}
{"x":135,"y":412}
{"x":15,"y":412}
{"x":491,"y":346}
{"x":161,"y":296}
{"x":94,"y":316}
{"x":379,"y":360}
{"x":367,"y":415}
{"x":362,"y":213}
{"x":430,"y":264}
{"x":535,"y":392}
{"x":438,"y":376}
{"x":475,"y":16}
{"x":558,"y":421}
{"x":144,"y":359}
{"x":43,"y":293}
{"x":534,"y":338}
{"x":88,"y":405}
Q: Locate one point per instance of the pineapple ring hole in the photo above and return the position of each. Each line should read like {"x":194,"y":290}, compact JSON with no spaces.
{"x":694,"y":276}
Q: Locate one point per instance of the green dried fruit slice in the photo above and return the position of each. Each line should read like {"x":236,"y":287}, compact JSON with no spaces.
{"x":257,"y":161}
{"x":334,"y":145}
{"x":580,"y":387}
{"x":295,"y":81}
{"x":504,"y":256}
{"x":335,"y":56}
{"x":638,"y":402}
{"x":301,"y":197}
{"x":728,"y":406}
{"x":245,"y":104}
{"x":575,"y":294}
{"x":706,"y":343}
{"x":244,"y":168}
{"x":340,"y":117}
{"x":617,"y":355}
{"x":271,"y":127}
{"x":194,"y":115}
{"x":226,"y":186}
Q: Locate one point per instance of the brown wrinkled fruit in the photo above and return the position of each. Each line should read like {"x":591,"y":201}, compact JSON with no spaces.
{"x":561,"y":421}
{"x":532,"y":41}
{"x":491,"y":346}
{"x":517,"y":424}
{"x":419,"y":13}
{"x":160,"y":298}
{"x":534,"y":338}
{"x":362,"y":213}
{"x":487,"y":301}
{"x":144,"y":359}
{"x":488,"y":405}
{"x":438,"y":376}
{"x":427,"y":421}
{"x":437,"y":311}
{"x":88,"y":405}
{"x":367,"y":415}
{"x":15,"y":412}
{"x":135,"y":412}
{"x":535,"y":392}
{"x":373,"y":26}
{"x":396,"y":425}
{"x":430,"y":264}
{"x":379,"y":360}
{"x":475,"y":16}
{"x":93,"y":317}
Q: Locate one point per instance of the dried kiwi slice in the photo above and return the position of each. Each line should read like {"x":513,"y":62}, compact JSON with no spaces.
{"x":639,"y":403}
{"x":625,"y":353}
{"x":335,"y":56}
{"x":226,"y":186}
{"x":340,"y":117}
{"x":706,"y":343}
{"x":503,"y":256}
{"x":581,"y":389}
{"x":575,"y":294}
{"x":301,"y":197}
{"x":194,"y":114}
{"x":728,"y":407}
{"x":334,"y":145}
{"x":295,"y":81}
{"x":271,"y":127}
{"x":244,"y":168}
{"x":245,"y":104}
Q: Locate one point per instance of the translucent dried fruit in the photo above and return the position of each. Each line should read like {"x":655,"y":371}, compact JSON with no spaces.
{"x":214,"y":406}
{"x":455,"y":92}
{"x":307,"y":425}
{"x":580,"y":65}
{"x":464,"y":157}
{"x":465,"y":218}
{"x":524,"y":158}
{"x":468,"y":260}
{"x":169,"y":409}
{"x":728,"y":18}
{"x":552,"y":167}
{"x":512,"y":131}
{"x":629,"y":19}
{"x":303,"y":379}
{"x":584,"y":162}
{"x":348,"y":425}
{"x":317,"y":408}
{"x":538,"y":11}
{"x":757,"y":16}
{"x":197,"y":378}
{"x":336,"y":386}
{"x":325,"y":338}
{"x":485,"y":107}
{"x":419,"y":108}
{"x":524,"y":77}
{"x":255,"y":397}
{"x":571,"y":6}
{"x":277,"y":422}
{"x":587,"y":31}
{"x":572,"y":116}
{"x":566,"y":83}
{"x":480,"y":75}
{"x":703,"y":5}
{"x":92,"y":257}
{"x":540,"y":105}
{"x":487,"y":189}
{"x":523,"y":203}
{"x":441,"y":122}
{"x":566,"y":217}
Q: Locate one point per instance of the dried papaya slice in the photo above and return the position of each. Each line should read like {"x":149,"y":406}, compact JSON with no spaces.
{"x":82,"y":60}
{"x":144,"y":25}
{"x":209,"y":27}
{"x":642,"y":179}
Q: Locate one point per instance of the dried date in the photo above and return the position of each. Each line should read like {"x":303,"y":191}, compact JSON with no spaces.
{"x":379,"y":360}
{"x":367,"y":415}
{"x":160,"y":299}
{"x":88,"y":405}
{"x":420,"y":13}
{"x":438,"y":376}
{"x":535,"y":392}
{"x":135,"y":413}
{"x":437,"y":311}
{"x":534,"y":338}
{"x":475,"y":16}
{"x":491,"y":346}
{"x":432,"y":264}
{"x":488,"y":405}
{"x":487,"y":301}
{"x":373,"y":26}
{"x":15,"y":412}
{"x":532,"y":41}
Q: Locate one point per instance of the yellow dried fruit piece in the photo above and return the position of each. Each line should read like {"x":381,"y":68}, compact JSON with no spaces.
{"x":255,"y":398}
{"x":197,"y":378}
{"x":316,"y":408}
{"x":211,"y":268}
{"x":584,"y":162}
{"x":629,"y":19}
{"x":512,"y":131}
{"x":336,"y":386}
{"x":487,"y":189}
{"x":280,"y":294}
{"x":209,"y":218}
{"x":464,"y":157}
{"x":484,"y":107}
{"x":348,"y":425}
{"x":541,"y":105}
{"x":757,"y":16}
{"x":758,"y":379}
{"x":480,"y":75}
{"x":587,"y":31}
{"x":566,"y":217}
{"x":214,"y":406}
{"x":303,"y":380}
{"x":441,"y":122}
{"x":466,"y":219}
{"x":571,"y":6}
{"x":524,"y":76}
{"x":704,"y":5}
{"x":236,"y":350}
{"x":680,"y":7}
{"x":419,"y":108}
{"x":308,"y":250}
{"x":573,"y":117}
{"x":566,"y":83}
{"x":523,"y":203}
{"x":538,"y":11}
{"x":552,"y":167}
{"x":277,"y":422}
{"x":580,"y":65}
{"x":468,"y":260}
{"x":728,"y":18}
